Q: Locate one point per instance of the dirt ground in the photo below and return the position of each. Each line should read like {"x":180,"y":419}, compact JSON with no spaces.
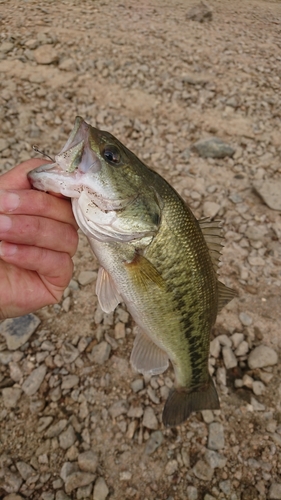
{"x":159,"y":82}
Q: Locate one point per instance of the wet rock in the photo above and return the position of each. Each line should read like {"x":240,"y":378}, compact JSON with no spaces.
{"x":88,"y":461}
{"x":216,"y":436}
{"x":34,"y":380}
{"x":203,"y":471}
{"x":262,"y":356}
{"x":200,"y":13}
{"x":46,"y":54}
{"x":213,"y":147}
{"x":17,"y":331}
{"x":153,"y":442}
{"x":100,"y":489}
{"x":11,"y":396}
{"x":149,"y":419}
{"x":270,"y":191}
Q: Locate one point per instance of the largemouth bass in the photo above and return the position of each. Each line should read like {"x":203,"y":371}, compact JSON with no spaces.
{"x":154,"y":256}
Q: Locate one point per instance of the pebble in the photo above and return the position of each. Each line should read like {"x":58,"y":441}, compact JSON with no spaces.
{"x":118,"y":408}
{"x":88,"y":461}
{"x":229,"y":358}
{"x":245,"y":319}
{"x":11,"y":396}
{"x":213,"y":147}
{"x":210,"y":209}
{"x":78,"y":479}
{"x":86,"y":277}
{"x":69,"y":381}
{"x":215,"y":460}
{"x":100,"y":489}
{"x":149,"y":419}
{"x":34,"y":380}
{"x":242,"y":349}
{"x":200,"y":12}
{"x":100,"y":353}
{"x":46,"y":54}
{"x":68,"y":352}
{"x":203,"y":471}
{"x":137,"y":385}
{"x":17,"y":331}
{"x":258,"y":388}
{"x":25,"y":470}
{"x":153,"y":443}
{"x":67,"y":438}
{"x":192,"y":493}
{"x":171,"y":467}
{"x":261,"y":357}
{"x":236,"y":339}
{"x":216,"y":436}
{"x":270,"y":191}
{"x":275,"y":491}
{"x":56,"y":428}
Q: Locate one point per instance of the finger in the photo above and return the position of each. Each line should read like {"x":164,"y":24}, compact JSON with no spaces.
{"x":17,"y":176}
{"x":29,"y":202}
{"x":39,"y":232}
{"x":55,"y":267}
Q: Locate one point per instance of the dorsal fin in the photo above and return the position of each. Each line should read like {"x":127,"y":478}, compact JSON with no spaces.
{"x":212,"y":233}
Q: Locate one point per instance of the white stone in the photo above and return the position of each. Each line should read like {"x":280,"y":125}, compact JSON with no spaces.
{"x":262,"y":356}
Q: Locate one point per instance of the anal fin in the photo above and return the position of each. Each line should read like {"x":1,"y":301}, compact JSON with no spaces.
{"x":226,"y":294}
{"x":147,"y":357}
{"x":106,"y":291}
{"x":181,"y":403}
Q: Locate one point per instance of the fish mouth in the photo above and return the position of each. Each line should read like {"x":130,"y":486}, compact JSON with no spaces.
{"x":73,"y":171}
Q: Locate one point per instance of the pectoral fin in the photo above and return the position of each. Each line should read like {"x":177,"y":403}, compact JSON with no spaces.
{"x":147,"y":357}
{"x":143,"y":273}
{"x":106,"y":291}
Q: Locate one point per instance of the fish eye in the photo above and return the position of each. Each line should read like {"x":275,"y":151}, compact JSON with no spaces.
{"x":111,"y":154}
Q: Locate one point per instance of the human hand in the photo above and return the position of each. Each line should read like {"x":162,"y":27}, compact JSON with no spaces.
{"x":38,"y":238}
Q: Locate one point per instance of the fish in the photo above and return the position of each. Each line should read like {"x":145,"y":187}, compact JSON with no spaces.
{"x":154,"y":256}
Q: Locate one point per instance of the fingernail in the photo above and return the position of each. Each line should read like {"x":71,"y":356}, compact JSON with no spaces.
{"x":7,"y":249}
{"x":5,"y":223}
{"x":8,"y":201}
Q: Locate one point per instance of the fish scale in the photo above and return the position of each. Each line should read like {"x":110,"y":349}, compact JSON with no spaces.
{"x":154,"y":256}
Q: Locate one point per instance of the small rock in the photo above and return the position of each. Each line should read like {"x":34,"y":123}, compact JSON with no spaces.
{"x":137,"y":385}
{"x":257,"y":406}
{"x":221,"y":374}
{"x":78,"y":479}
{"x":200,"y":13}
{"x":34,"y":380}
{"x":215,"y":348}
{"x":10,"y":481}
{"x":86,"y":277}
{"x":56,"y":428}
{"x":275,"y":491}
{"x":214,"y":459}
{"x":245,"y":319}
{"x":88,"y":461}
{"x":262,"y":356}
{"x":270,"y":191}
{"x":68,"y":64}
{"x":118,"y":408}
{"x":100,"y":353}
{"x":6,"y":47}
{"x":153,"y":442}
{"x":213,"y":147}
{"x":17,"y":331}
{"x":236,"y":339}
{"x":192,"y":493}
{"x":149,"y":419}
{"x":45,"y":54}
{"x":119,"y":330}
{"x":229,"y":358}
{"x":11,"y":396}
{"x":25,"y":470}
{"x":67,"y":438}
{"x":84,"y":492}
{"x":242,"y":349}
{"x":208,"y":416}
{"x":70,"y":381}
{"x":43,"y":423}
{"x":203,"y":471}
{"x":61,"y":495}
{"x":171,"y":467}
{"x":216,"y":436}
{"x":210,"y":209}
{"x":258,"y":388}
{"x":69,"y":353}
{"x":100,"y":489}
{"x":135,"y":412}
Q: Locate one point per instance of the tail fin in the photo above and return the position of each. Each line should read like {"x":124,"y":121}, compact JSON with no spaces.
{"x":180,"y":404}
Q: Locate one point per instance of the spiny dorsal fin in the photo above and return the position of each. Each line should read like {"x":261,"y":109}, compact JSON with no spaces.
{"x":212,"y":233}
{"x":226,"y":294}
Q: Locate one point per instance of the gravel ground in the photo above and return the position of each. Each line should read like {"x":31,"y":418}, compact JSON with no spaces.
{"x":76,"y":422}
